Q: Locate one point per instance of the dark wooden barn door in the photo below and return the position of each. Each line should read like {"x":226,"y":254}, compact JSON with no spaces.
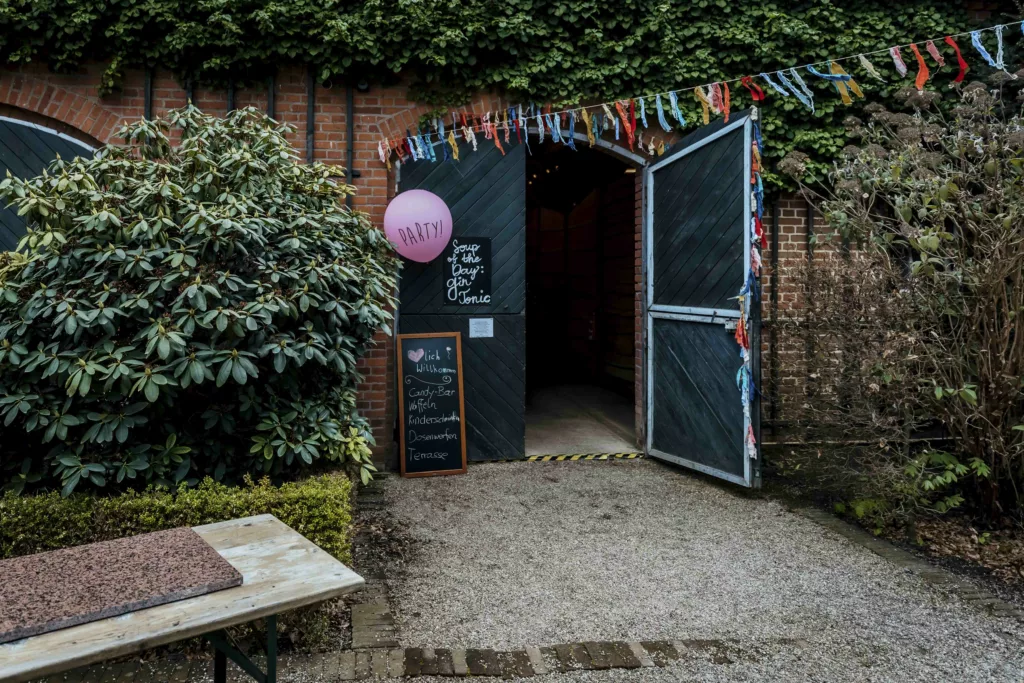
{"x":486,"y":192}
{"x":698,"y":246}
{"x":25,"y":150}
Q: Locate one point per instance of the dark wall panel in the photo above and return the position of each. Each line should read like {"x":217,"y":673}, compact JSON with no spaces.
{"x":494,"y":382}
{"x":486,"y":192}
{"x":25,"y":150}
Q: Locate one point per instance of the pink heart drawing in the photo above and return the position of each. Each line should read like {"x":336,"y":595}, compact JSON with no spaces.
{"x":416,"y":356}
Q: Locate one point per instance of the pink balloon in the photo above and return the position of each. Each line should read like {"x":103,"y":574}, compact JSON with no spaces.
{"x":419,"y":224}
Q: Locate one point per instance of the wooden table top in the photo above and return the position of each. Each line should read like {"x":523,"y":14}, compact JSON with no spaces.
{"x":281,"y":570}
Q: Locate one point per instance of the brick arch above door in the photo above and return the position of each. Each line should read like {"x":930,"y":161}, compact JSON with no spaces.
{"x":37,"y":96}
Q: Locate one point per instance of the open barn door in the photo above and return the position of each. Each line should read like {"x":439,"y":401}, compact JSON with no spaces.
{"x":698,"y":260}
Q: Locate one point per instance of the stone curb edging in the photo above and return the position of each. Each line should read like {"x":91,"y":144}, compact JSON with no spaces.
{"x":373,"y":625}
{"x":413,"y":662}
{"x":928,"y":572}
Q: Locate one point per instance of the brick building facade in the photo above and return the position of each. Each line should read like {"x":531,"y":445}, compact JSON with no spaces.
{"x":71,"y":104}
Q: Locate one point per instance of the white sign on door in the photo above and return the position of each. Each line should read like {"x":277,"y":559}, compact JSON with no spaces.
{"x":481,"y":327}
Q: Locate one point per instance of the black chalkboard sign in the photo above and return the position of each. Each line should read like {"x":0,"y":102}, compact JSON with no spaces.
{"x":467,"y":271}
{"x":431,"y":407}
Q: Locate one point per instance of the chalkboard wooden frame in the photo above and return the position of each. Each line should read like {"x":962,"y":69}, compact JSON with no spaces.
{"x":401,"y":402}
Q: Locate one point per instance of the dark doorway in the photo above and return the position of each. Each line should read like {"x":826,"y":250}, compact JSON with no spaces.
{"x":580,"y":309}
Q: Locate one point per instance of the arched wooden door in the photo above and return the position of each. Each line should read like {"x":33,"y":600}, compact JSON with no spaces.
{"x":25,"y":150}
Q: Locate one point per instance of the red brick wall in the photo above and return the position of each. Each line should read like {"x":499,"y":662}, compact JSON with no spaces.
{"x":73,"y":100}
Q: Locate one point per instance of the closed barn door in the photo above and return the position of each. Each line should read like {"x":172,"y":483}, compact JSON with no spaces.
{"x":25,"y":150}
{"x":486,"y":192}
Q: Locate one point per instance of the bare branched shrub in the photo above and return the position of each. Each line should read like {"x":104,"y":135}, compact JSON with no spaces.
{"x":935,"y":205}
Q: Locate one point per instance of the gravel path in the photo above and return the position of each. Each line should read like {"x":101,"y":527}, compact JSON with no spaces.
{"x":517,"y":554}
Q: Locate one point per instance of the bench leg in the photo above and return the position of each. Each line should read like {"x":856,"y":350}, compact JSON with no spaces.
{"x":220,"y":667}
{"x":224,"y":649}
{"x":272,"y":649}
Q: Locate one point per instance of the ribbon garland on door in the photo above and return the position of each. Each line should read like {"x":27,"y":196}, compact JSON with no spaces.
{"x":621,"y":117}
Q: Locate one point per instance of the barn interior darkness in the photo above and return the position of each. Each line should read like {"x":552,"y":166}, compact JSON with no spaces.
{"x":580,"y":240}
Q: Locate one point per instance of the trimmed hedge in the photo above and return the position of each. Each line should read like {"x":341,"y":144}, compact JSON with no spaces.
{"x":319,"y":508}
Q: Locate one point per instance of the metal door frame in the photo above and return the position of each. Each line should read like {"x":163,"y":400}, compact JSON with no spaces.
{"x":715,"y":316}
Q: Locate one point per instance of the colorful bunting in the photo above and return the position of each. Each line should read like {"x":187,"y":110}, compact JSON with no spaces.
{"x":714,"y":99}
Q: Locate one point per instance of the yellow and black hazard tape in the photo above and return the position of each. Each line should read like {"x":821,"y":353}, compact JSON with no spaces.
{"x":584,"y":456}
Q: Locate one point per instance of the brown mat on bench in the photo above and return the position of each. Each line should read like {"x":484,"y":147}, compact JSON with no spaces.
{"x":54,"y":590}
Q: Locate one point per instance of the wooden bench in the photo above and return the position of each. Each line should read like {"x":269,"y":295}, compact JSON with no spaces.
{"x":281,"y":570}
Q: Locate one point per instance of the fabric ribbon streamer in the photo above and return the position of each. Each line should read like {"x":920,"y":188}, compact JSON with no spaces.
{"x":717,"y":101}
{"x":428,"y":146}
{"x":829,"y":76}
{"x":802,"y":93}
{"x":589,"y":122}
{"x":976,"y":42}
{"x":570,"y":139}
{"x":897,"y":59}
{"x":468,"y":133}
{"x":846,"y":87}
{"x":775,"y":86}
{"x":632,"y":114}
{"x":934,"y":52}
{"x":504,"y":126}
{"x":616,"y":122}
{"x":922,"y":69}
{"x":673,"y":100}
{"x":964,"y":68}
{"x":409,"y":146}
{"x":608,"y":112}
{"x":999,"y":49}
{"x":741,"y":331}
{"x":443,"y":145}
{"x":699,"y":95}
{"x":454,"y":145}
{"x":625,"y":124}
{"x":756,"y":93}
{"x":726,"y":101}
{"x":870,"y":68}
{"x":643,"y":112}
{"x":661,"y":114}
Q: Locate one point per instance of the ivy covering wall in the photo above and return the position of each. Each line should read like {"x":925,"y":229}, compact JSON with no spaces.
{"x":560,"y":51}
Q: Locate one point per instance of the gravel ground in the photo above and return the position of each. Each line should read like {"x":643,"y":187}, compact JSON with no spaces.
{"x":517,"y":554}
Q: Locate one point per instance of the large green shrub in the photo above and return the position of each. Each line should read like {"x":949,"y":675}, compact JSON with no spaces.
{"x":320,"y":508}
{"x":190,"y":310}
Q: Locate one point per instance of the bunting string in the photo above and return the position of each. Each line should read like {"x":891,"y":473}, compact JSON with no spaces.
{"x":714,"y":98}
